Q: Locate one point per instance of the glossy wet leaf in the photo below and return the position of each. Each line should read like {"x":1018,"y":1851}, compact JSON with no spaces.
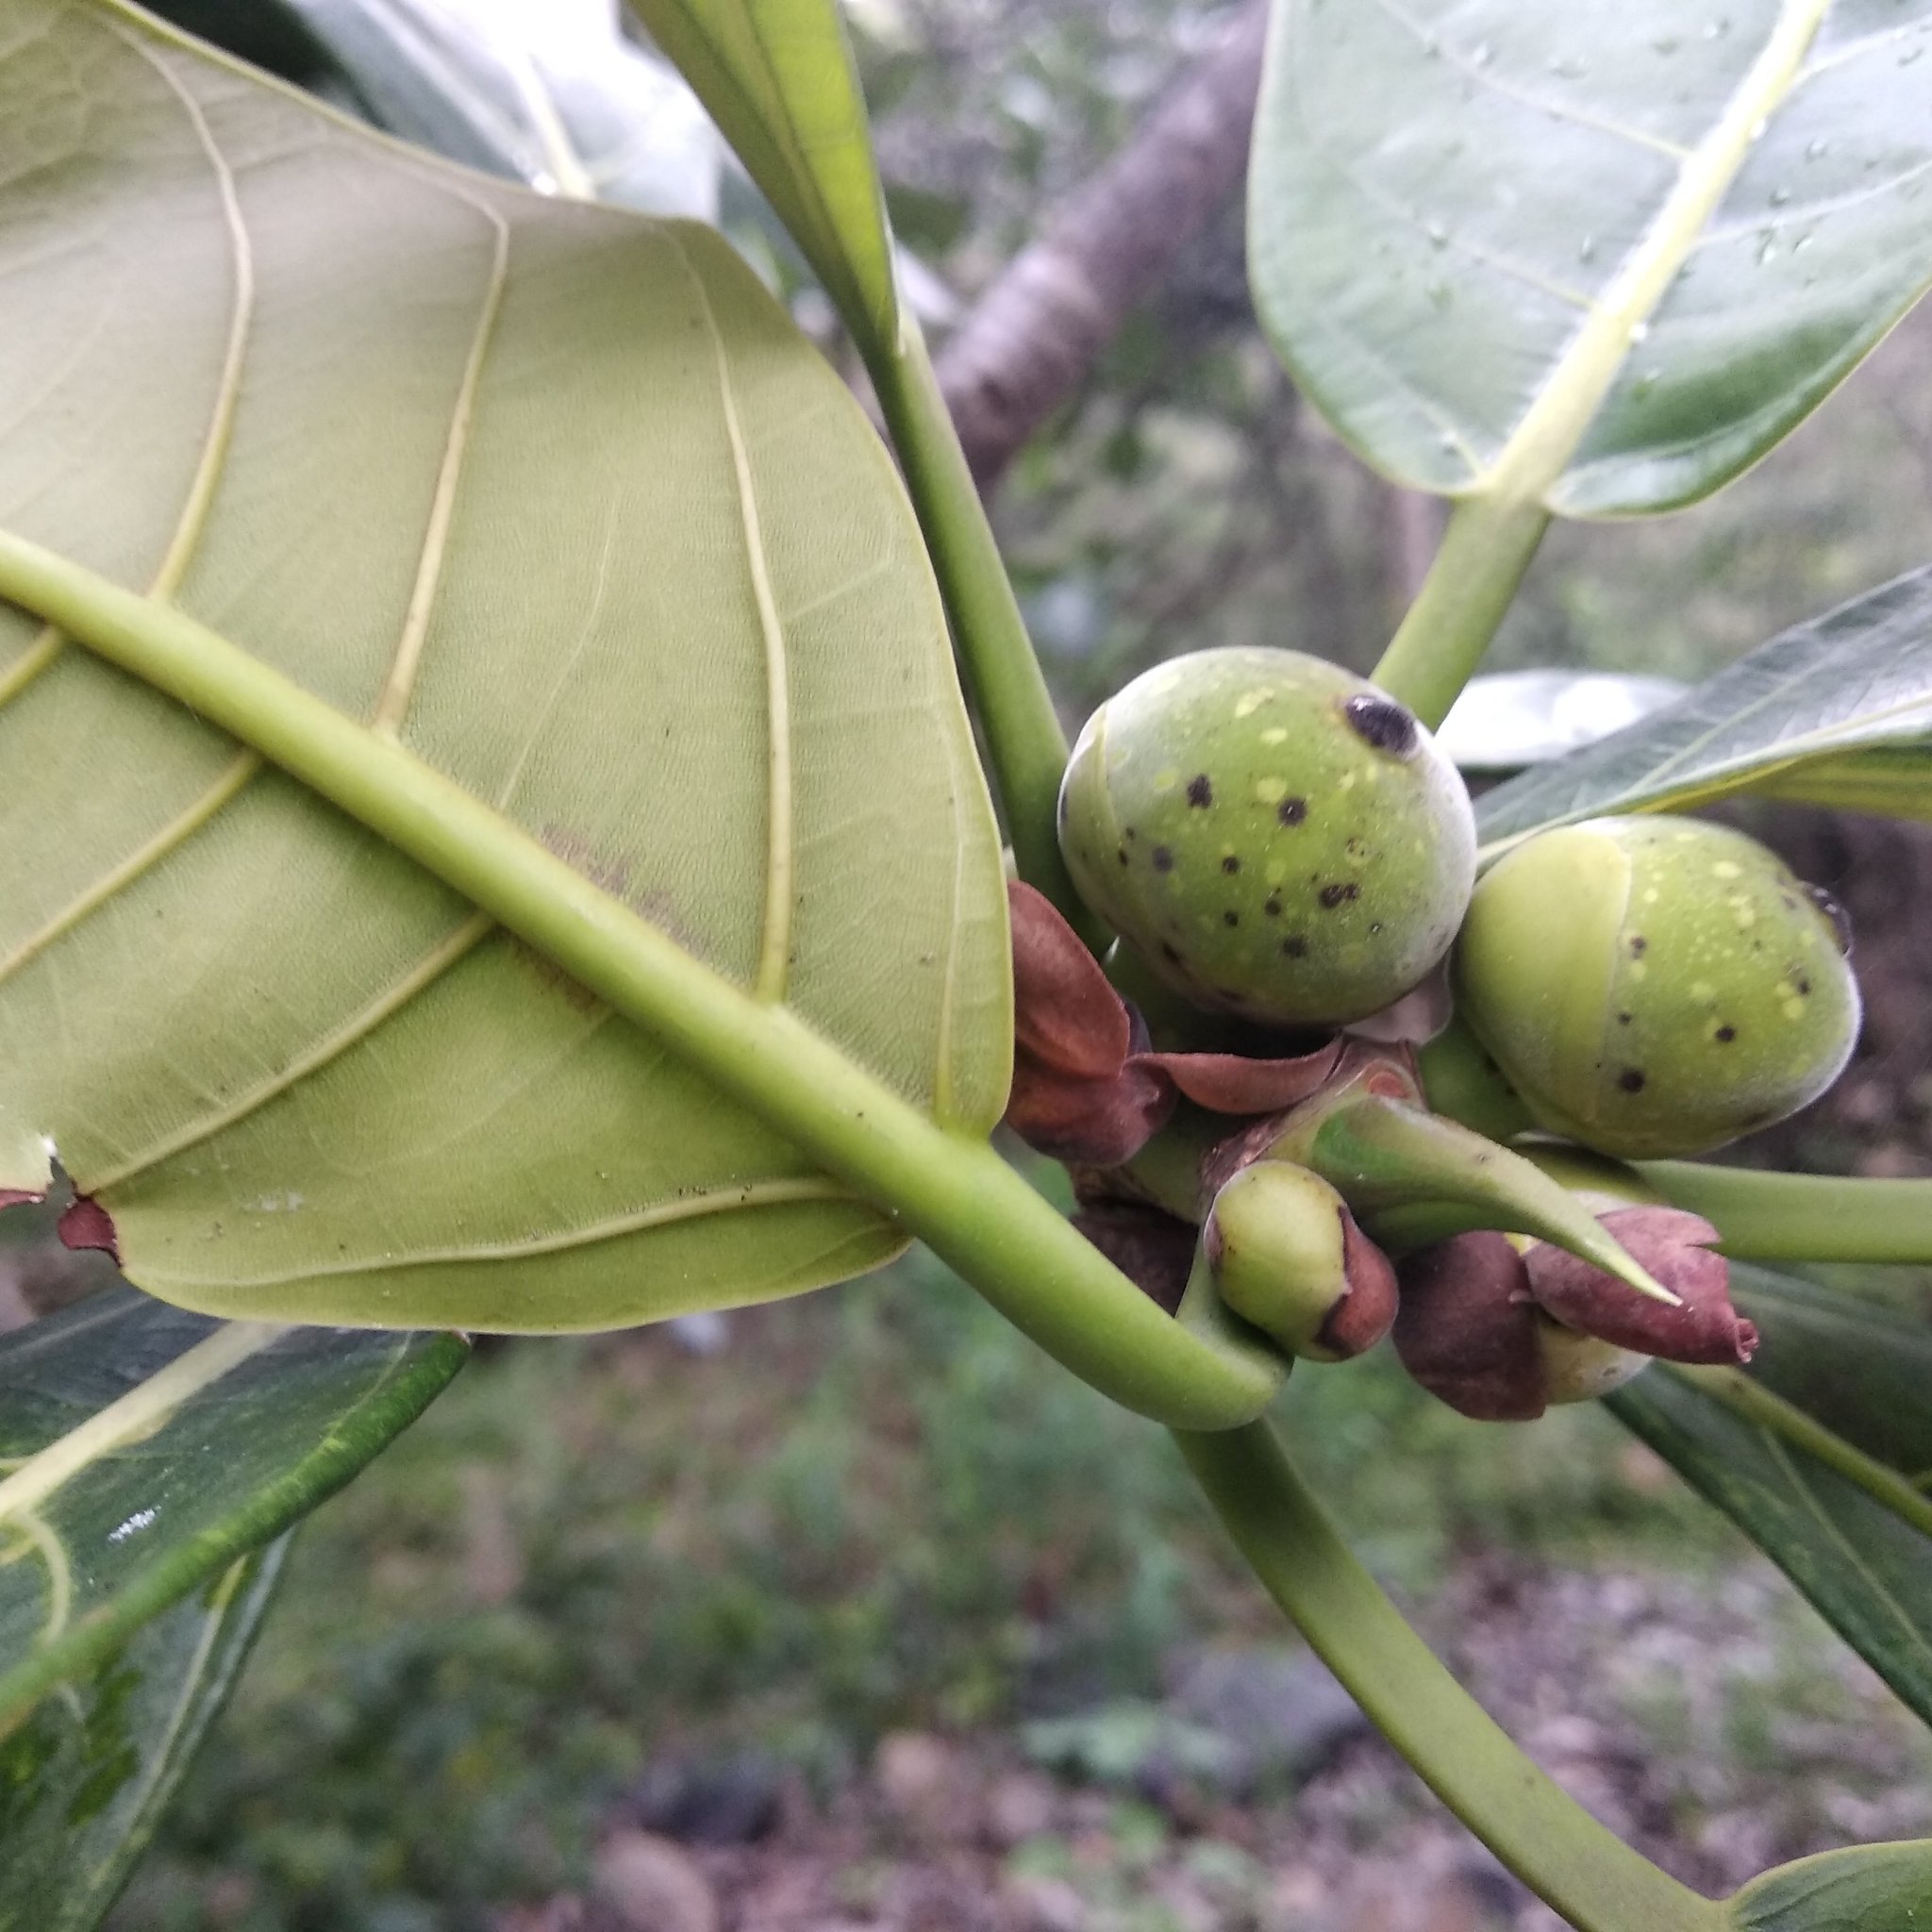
{"x":1610,"y":254}
{"x":1862,"y":1371}
{"x":87,"y":1774}
{"x":147,"y":1457}
{"x":1510,"y":719}
{"x":557,"y":498}
{"x":1865,"y":1567}
{"x":1819,"y":698}
{"x":1866,"y":1889}
{"x":779,"y":79}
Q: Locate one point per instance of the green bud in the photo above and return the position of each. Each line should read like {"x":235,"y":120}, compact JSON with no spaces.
{"x":1287,"y":1256}
{"x":1276,"y":838}
{"x":1656,"y":986}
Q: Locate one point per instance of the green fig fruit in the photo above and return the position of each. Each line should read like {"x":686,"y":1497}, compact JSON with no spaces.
{"x":1276,"y":838}
{"x":1656,"y":986}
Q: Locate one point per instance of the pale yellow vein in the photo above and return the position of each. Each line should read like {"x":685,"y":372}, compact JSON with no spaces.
{"x":329,"y":1046}
{"x":393,"y":705}
{"x":135,"y":1416}
{"x":774,"y":951}
{"x":176,"y":833}
{"x":214,"y":452}
{"x":696,"y":1206}
{"x":35,"y":1536}
{"x":30,"y":663}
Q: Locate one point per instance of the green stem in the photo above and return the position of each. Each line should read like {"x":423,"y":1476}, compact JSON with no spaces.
{"x":1752,"y":1402}
{"x":1800,"y":1216}
{"x":948,"y":1188}
{"x":1549,"y":1841}
{"x":1485,"y":552}
{"x":1025,"y":742}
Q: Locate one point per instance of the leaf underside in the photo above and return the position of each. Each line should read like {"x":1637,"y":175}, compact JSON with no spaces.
{"x":558,"y":497}
{"x":1859,"y":1373}
{"x":1447,"y":195}
{"x":1837,"y":710}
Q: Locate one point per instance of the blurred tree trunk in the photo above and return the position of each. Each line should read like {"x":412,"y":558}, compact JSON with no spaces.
{"x":1030,"y":339}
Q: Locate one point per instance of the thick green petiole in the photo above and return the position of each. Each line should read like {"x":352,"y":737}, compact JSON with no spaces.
{"x":1485,"y":553}
{"x":1800,"y":1216}
{"x":1025,"y":746}
{"x":1541,"y":1834}
{"x":952,"y":1190}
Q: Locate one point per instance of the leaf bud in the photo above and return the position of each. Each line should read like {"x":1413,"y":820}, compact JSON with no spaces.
{"x":1287,"y":1256}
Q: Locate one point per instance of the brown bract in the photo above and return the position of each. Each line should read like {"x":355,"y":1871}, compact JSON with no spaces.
{"x":1674,"y":1246}
{"x":1087,"y":1086}
{"x":1468,"y":1327}
{"x":1152,"y":1250}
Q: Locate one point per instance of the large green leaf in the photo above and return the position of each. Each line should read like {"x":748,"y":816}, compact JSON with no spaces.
{"x":147,"y":1457}
{"x":779,"y":79}
{"x":1866,"y":1889}
{"x":86,"y":1778}
{"x":1823,"y":697}
{"x":1857,"y":1543}
{"x":555,"y":498}
{"x":1599,"y":258}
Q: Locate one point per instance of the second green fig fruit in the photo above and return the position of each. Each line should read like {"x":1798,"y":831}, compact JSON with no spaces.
{"x":1656,"y":986}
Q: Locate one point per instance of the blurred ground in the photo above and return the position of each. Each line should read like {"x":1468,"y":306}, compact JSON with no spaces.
{"x":878,"y":1621}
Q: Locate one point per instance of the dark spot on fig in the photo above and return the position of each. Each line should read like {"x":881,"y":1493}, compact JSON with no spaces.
{"x":1639,"y":945}
{"x":1163,"y":858}
{"x":1199,"y":790}
{"x":1354,"y":848}
{"x":1130,"y":832}
{"x":1803,"y":986}
{"x":1630,"y":1080}
{"x":1623,"y":1019}
{"x":1790,"y":905}
{"x":1230,"y":863}
{"x":1273,"y":909}
{"x":1291,"y":811}
{"x":1122,"y":854}
{"x":1841,"y":919}
{"x":1168,"y":953}
{"x":1724,"y":1035}
{"x":1381,"y":721}
{"x":1294,"y":946}
{"x":1336,"y":895}
{"x":1375,"y":925}
{"x":1230,"y":917}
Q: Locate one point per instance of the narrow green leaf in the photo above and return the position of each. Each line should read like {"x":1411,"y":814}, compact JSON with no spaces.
{"x":779,"y":79}
{"x":556,"y":500}
{"x":146,"y":1449}
{"x":1866,"y":1567}
{"x":1863,"y":1372}
{"x":87,"y":1774}
{"x":1867,"y":1889}
{"x":1595,"y":259}
{"x":1854,"y":683}
{"x":148,"y":1459}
